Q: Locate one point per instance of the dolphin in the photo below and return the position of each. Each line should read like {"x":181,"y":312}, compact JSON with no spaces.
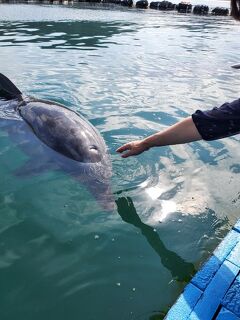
{"x":54,"y":136}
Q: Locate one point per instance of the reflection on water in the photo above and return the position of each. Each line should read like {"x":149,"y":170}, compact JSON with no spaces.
{"x":180,"y":269}
{"x":84,"y":35}
{"x":131,"y":73}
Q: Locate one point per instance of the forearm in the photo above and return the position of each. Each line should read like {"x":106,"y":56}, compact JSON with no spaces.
{"x":208,"y":125}
{"x":181,"y":132}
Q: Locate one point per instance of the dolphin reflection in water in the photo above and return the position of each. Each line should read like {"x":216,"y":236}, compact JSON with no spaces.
{"x":56,"y":137}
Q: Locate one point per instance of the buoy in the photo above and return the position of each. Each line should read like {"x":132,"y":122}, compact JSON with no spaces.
{"x":220,"y":11}
{"x":143,"y":4}
{"x":127,"y":3}
{"x":200,"y":9}
{"x":154,"y":5}
{"x":184,"y":7}
{"x":166,"y":5}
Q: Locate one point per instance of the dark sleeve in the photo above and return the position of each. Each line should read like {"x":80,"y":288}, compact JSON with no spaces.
{"x":219,"y":122}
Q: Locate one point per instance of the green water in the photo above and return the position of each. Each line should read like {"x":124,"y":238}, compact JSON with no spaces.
{"x":130,"y":73}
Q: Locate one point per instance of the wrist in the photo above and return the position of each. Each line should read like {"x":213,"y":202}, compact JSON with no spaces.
{"x":146,"y":144}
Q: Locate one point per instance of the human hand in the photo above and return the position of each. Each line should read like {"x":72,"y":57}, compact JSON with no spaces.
{"x":132,"y":148}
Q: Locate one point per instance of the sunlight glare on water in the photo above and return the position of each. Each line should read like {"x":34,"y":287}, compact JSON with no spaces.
{"x":130,"y":73}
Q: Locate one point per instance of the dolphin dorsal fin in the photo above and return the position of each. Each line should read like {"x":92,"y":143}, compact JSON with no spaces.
{"x":7,"y":89}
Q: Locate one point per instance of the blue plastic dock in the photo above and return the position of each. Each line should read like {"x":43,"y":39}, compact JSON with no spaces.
{"x":214,"y":292}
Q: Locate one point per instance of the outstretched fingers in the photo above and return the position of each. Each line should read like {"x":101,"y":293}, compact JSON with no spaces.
{"x":125,"y":147}
{"x":127,"y":154}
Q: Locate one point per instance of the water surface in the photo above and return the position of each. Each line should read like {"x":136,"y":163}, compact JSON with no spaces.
{"x":131,"y":73}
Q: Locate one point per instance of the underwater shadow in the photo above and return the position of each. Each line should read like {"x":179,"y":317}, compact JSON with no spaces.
{"x":180,"y":269}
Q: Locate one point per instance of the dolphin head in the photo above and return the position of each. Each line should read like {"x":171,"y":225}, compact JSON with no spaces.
{"x":64,"y":131}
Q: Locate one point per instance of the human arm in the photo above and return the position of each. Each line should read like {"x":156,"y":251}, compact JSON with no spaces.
{"x":181,"y":132}
{"x":208,"y":125}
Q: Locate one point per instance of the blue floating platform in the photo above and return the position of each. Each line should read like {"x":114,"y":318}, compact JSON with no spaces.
{"x":214,"y":292}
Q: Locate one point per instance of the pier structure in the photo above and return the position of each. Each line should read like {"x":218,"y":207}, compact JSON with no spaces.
{"x":214,"y":292}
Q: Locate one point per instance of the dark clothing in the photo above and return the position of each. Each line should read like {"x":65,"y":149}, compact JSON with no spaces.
{"x":219,"y":122}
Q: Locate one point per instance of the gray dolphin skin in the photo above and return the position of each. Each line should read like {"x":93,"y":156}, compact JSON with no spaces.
{"x":58,"y":138}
